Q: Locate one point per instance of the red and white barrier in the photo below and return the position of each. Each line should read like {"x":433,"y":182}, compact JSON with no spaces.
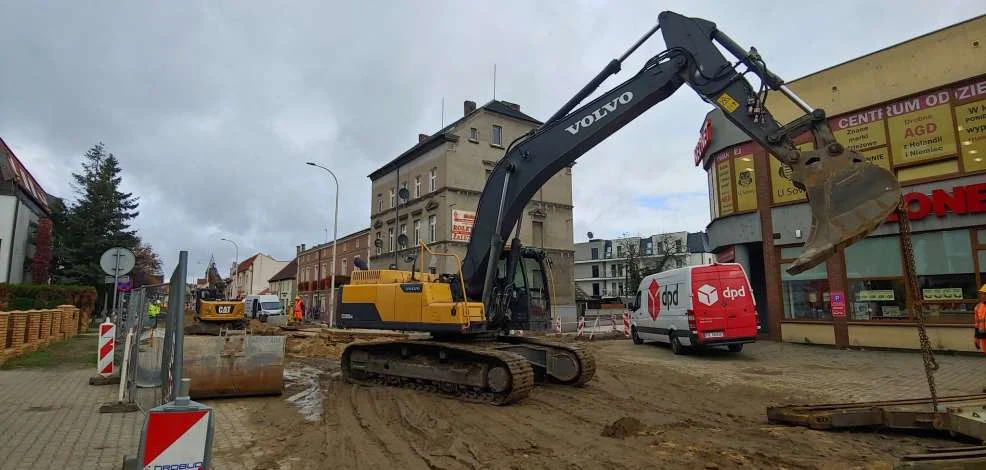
{"x":176,"y":439}
{"x":581,"y":327}
{"x":107,"y":336}
{"x":626,"y":323}
{"x":558,"y":324}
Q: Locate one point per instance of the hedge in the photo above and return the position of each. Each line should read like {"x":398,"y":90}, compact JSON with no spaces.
{"x":43,"y":296}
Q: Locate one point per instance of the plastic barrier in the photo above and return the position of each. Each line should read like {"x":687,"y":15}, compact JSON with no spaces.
{"x":581,"y":327}
{"x":626,"y":323}
{"x":107,"y":336}
{"x":176,"y":435}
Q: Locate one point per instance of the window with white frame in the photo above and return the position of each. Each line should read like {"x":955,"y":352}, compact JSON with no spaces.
{"x":344,"y":267}
{"x":474,"y":134}
{"x":417,"y":187}
{"x":433,"y":180}
{"x":391,"y":198}
{"x":379,"y":249}
{"x":432,"y":228}
{"x":496,"y":137}
{"x":417,"y":231}
{"x":379,"y":203}
{"x":403,"y":232}
{"x":390,"y":235}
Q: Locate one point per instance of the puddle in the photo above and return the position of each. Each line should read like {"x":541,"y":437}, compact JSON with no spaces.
{"x":309,"y":398}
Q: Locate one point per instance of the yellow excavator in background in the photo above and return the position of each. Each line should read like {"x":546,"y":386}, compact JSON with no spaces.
{"x":496,"y":289}
{"x":221,"y":355}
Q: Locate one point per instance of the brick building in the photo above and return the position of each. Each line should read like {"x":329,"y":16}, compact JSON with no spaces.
{"x":314,"y":276}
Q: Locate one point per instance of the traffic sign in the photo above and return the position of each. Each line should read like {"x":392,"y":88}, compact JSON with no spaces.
{"x":117,"y":261}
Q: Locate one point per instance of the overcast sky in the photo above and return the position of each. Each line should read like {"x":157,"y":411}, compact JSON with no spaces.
{"x":213,"y":107}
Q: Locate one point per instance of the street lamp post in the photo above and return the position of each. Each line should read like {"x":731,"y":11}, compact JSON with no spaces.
{"x":335,"y":220}
{"x":236,"y":260}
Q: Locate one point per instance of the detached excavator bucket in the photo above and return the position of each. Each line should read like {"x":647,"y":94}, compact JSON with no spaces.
{"x":234,"y":366}
{"x":849,"y":198}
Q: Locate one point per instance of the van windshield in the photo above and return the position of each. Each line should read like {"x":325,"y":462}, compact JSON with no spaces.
{"x":270,"y":305}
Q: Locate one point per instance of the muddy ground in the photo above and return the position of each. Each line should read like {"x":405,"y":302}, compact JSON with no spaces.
{"x":638,"y":412}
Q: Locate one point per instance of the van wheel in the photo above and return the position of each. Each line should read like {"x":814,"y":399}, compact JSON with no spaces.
{"x":735,"y":348}
{"x":676,"y":346}
{"x":635,"y":337}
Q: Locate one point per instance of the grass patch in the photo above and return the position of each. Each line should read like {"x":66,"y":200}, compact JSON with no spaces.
{"x":76,"y":352}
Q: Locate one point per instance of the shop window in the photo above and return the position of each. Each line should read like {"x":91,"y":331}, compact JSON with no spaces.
{"x":806,"y":295}
{"x":875,"y":280}
{"x":981,"y":236}
{"x":945,"y":267}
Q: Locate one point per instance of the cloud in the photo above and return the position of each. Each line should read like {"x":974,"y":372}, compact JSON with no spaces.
{"x":214,"y":107}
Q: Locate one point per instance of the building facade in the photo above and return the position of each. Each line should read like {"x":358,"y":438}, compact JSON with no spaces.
{"x":284,"y":284}
{"x":23,"y":211}
{"x":314,"y":274}
{"x":601,"y":265}
{"x":444,"y":175}
{"x":917,"y":109}
{"x":253,"y":274}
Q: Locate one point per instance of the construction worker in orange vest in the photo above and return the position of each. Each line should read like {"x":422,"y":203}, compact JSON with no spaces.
{"x":299,"y":308}
{"x":980,"y":337}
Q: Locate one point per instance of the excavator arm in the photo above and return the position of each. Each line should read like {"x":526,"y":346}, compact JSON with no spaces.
{"x":849,"y":197}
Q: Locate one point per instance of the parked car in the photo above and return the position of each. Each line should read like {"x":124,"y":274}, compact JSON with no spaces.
{"x":696,"y":306}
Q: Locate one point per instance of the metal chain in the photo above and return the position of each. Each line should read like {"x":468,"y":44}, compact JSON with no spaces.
{"x":917,"y":300}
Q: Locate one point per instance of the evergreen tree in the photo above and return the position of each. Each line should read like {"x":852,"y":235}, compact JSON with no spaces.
{"x":99,"y":219}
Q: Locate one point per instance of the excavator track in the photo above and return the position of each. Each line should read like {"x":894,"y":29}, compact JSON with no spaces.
{"x":473,"y":372}
{"x":585,"y":361}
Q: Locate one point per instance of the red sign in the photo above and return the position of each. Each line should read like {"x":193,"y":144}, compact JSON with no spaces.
{"x":970,"y":199}
{"x":704,"y":139}
{"x":838,"y":302}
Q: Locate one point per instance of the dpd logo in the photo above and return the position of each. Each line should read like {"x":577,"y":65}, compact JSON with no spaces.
{"x":669,"y":298}
{"x":653,"y":299}
{"x":731,"y":293}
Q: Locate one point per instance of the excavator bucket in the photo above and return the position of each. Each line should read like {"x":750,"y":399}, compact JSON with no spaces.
{"x":849,"y":198}
{"x":234,"y":365}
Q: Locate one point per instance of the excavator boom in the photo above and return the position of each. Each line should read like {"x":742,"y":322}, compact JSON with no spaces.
{"x":849,"y":197}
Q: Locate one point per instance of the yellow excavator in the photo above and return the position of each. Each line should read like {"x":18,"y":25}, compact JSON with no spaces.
{"x":471,"y":353}
{"x":221,"y":355}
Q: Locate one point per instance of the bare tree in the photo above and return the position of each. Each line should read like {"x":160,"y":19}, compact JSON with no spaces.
{"x":638,"y":265}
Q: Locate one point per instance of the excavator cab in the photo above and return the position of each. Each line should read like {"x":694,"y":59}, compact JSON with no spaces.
{"x":530,"y":300}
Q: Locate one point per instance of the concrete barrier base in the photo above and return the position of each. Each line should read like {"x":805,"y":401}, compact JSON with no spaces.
{"x":100,"y":380}
{"x":118,"y":407}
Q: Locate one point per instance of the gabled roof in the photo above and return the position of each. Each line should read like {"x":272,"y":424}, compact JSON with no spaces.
{"x":242,"y":267}
{"x":288,"y":272}
{"x":13,"y":170}
{"x":495,"y":106}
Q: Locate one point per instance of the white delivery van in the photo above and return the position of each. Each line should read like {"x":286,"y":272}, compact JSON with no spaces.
{"x":696,"y":306}
{"x":262,"y":307}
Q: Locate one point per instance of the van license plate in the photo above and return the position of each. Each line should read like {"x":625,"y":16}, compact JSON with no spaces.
{"x":712,"y":334}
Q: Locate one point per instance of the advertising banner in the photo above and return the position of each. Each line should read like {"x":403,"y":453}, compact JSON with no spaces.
{"x":725,"y":185}
{"x":921,"y":128}
{"x":462,"y":222}
{"x":745,"y":179}
{"x":861,"y":130}
{"x":878,"y":156}
{"x":970,"y":119}
{"x":780,"y":179}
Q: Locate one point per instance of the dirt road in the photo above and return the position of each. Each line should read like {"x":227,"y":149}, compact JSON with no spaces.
{"x":645,"y":408}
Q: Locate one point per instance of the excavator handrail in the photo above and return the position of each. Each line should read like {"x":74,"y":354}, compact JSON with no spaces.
{"x":458,"y":262}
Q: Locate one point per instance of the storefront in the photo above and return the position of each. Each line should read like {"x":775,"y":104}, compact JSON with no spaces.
{"x":933,"y":138}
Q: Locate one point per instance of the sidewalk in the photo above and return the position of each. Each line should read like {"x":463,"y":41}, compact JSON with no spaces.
{"x":51,"y":419}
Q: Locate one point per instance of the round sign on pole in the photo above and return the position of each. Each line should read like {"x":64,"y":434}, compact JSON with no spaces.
{"x":117,"y":261}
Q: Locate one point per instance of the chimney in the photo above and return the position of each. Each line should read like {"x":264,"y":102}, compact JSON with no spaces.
{"x":422,"y":137}
{"x":468,"y":107}
{"x":302,"y":247}
{"x":297,"y":249}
